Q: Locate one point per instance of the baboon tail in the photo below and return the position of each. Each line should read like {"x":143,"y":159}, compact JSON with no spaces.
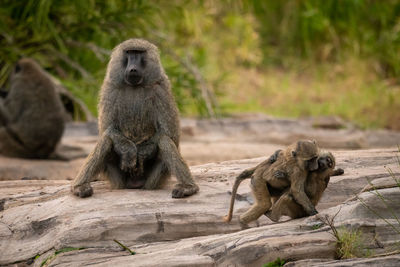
{"x":243,"y":176}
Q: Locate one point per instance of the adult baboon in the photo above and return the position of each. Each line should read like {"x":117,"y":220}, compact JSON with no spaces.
{"x":138,"y":125}
{"x":289,"y":170}
{"x":31,"y":114}
{"x":315,"y":185}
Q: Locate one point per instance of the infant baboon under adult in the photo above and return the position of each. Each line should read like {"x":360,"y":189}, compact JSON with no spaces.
{"x":139,"y":128}
{"x":316,"y":183}
{"x":31,"y":114}
{"x":284,"y":169}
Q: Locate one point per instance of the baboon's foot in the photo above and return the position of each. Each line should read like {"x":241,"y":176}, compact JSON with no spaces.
{"x":271,"y":216}
{"x":186,"y":190}
{"x":136,"y":183}
{"x":243,"y":225}
{"x":83,"y":190}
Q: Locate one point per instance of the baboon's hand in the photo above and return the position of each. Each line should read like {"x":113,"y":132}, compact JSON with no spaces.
{"x":181,"y":191}
{"x":338,"y":171}
{"x":312,"y":212}
{"x":274,"y":156}
{"x":84,"y":190}
{"x":128,"y":160}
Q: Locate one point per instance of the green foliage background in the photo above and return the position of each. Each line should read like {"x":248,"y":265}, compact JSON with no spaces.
{"x":286,"y":58}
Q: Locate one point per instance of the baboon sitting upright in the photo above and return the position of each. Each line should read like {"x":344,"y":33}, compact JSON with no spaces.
{"x":316,"y":183}
{"x":295,"y":163}
{"x":31,"y":114}
{"x":139,"y":128}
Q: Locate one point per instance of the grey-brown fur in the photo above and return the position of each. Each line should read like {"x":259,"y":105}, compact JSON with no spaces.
{"x":31,"y":115}
{"x":138,"y":128}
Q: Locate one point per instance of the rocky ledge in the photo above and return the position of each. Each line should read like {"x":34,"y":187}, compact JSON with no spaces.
{"x":42,"y":224}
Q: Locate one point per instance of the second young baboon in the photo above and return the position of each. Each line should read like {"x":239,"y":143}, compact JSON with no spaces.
{"x":139,"y":128}
{"x":31,"y":114}
{"x":315,"y":185}
{"x":289,"y":169}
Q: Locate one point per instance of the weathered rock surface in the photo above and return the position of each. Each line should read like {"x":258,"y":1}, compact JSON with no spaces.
{"x":41,"y":217}
{"x":387,"y":261}
{"x":205,"y":141}
{"x":330,"y":132}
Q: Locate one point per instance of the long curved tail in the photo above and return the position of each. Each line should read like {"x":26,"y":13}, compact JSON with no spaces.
{"x":243,"y":176}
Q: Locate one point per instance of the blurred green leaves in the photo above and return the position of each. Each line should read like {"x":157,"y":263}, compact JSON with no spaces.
{"x":331,"y":30}
{"x":72,"y":39}
{"x":211,"y":49}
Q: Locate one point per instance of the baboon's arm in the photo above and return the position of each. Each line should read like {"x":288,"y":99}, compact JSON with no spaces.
{"x":338,"y":171}
{"x":168,"y":144}
{"x":167,"y":123}
{"x":124,"y":147}
{"x":94,"y":164}
{"x":121,"y":143}
{"x":297,"y":190}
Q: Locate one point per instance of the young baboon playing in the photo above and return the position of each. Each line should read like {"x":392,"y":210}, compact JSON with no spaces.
{"x":31,"y":114}
{"x":270,"y":178}
{"x":316,"y":183}
{"x":139,"y":128}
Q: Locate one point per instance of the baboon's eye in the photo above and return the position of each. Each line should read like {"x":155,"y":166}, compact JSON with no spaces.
{"x":330,"y":163}
{"x":143,"y":62}
{"x":17,"y":68}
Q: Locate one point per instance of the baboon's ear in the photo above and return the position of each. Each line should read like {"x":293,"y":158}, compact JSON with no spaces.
{"x":314,"y":141}
{"x":294,"y":153}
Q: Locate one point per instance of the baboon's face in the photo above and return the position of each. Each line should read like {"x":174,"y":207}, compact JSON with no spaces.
{"x":136,"y":62}
{"x":24,"y":68}
{"x":307,"y":154}
{"x":23,"y":65}
{"x":312,"y":164}
{"x":325,"y":162}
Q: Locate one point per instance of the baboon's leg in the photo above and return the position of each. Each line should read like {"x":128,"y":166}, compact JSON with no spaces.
{"x":94,"y":164}
{"x":174,"y":162}
{"x":285,"y":205}
{"x":115,"y":175}
{"x":9,"y":146}
{"x":146,"y":151}
{"x":158,"y":173}
{"x":262,"y":201}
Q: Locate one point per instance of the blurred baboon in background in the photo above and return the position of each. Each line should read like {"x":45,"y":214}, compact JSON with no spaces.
{"x":139,"y":128}
{"x":31,"y":114}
